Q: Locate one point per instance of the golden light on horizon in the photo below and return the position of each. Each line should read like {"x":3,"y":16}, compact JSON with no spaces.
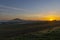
{"x":51,"y":19}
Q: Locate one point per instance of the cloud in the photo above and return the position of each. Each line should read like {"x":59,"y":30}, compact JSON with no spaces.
{"x":12,"y":8}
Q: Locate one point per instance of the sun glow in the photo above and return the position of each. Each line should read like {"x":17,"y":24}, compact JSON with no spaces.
{"x":51,"y":19}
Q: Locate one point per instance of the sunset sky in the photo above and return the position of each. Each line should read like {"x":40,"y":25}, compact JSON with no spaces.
{"x":30,"y":9}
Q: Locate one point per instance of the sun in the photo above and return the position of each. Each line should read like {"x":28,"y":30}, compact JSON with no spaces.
{"x":51,"y":19}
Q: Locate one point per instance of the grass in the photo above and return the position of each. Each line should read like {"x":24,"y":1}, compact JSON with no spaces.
{"x":12,"y":32}
{"x":54,"y":35}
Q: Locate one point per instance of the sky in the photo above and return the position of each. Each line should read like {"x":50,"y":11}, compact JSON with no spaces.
{"x":30,"y":9}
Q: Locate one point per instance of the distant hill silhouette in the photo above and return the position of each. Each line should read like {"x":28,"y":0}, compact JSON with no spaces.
{"x":17,"y":19}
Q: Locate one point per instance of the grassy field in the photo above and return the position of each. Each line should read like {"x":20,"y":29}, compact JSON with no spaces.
{"x":35,"y":31}
{"x":53,"y":35}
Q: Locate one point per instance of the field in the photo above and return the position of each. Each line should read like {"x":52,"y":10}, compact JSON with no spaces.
{"x":35,"y":31}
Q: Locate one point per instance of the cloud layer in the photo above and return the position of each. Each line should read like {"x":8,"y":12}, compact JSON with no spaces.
{"x":12,"y":8}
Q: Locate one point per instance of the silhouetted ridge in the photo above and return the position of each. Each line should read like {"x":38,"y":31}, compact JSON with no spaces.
{"x":17,"y":19}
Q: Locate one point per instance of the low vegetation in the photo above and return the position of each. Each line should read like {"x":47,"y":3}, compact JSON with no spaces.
{"x":29,"y":32}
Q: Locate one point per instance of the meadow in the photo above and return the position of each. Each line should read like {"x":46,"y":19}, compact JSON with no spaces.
{"x":45,"y":30}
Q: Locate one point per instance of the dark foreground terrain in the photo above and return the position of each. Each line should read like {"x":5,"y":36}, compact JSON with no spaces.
{"x":34,"y":31}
